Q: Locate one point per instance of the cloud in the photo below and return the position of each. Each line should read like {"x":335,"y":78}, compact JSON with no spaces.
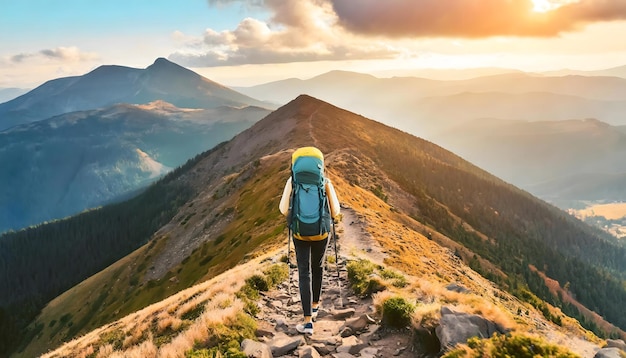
{"x":63,"y":54}
{"x":20,"y":57}
{"x":471,"y":18}
{"x":296,"y":31}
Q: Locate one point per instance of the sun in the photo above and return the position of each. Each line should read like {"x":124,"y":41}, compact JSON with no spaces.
{"x":543,"y":5}
{"x":549,"y":5}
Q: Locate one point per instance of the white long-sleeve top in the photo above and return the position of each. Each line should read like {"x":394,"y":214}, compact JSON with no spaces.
{"x":330,"y":193}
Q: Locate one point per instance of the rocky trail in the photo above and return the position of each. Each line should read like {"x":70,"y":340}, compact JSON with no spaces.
{"x":346,"y":325}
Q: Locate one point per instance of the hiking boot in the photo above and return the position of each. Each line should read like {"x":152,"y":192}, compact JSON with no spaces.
{"x":305,"y":328}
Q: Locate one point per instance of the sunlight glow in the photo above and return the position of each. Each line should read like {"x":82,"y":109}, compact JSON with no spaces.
{"x":549,"y":5}
{"x":543,"y":5}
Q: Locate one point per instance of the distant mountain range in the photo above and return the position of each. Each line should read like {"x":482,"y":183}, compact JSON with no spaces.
{"x":80,"y":142}
{"x":609,"y":72}
{"x":530,"y":129}
{"x":548,"y":158}
{"x":109,"y":85}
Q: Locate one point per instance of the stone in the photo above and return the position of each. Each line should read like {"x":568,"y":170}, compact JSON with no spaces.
{"x":276,"y":304}
{"x":254,"y":349}
{"x":360,"y":323}
{"x":346,"y":332}
{"x":455,"y":287}
{"x":322,"y":348}
{"x":343,"y":314}
{"x":308,"y":352}
{"x":283,"y":297}
{"x":283,"y":344}
{"x":262,"y":332}
{"x":458,"y":327}
{"x":616,"y":343}
{"x":281,"y":326}
{"x":372,"y":333}
{"x":327,"y":328}
{"x":342,"y":355}
{"x":351,"y":345}
{"x":612,"y":352}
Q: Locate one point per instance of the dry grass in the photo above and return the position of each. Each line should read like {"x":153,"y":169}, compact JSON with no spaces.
{"x":142,"y":329}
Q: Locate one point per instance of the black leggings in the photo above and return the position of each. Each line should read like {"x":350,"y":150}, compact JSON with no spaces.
{"x":310,"y":257}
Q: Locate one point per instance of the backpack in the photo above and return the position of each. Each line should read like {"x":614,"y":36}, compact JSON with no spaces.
{"x":309,"y":214}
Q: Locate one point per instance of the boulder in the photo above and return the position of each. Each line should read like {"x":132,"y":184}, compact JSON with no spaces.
{"x":308,"y":352}
{"x":360,"y":323}
{"x":254,"y":349}
{"x":455,"y":287}
{"x":457,"y":327}
{"x":351,"y":345}
{"x":608,"y":353}
{"x":283,"y":344}
{"x":343,"y":314}
{"x":616,"y":343}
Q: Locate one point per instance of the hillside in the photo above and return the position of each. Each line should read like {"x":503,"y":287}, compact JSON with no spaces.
{"x":402,"y":187}
{"x":61,"y":166}
{"x":111,"y":84}
{"x":534,"y":154}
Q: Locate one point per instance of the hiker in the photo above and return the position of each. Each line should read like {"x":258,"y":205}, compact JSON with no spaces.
{"x":309,"y":201}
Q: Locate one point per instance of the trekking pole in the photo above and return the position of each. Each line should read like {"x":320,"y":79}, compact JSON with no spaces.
{"x":337,"y":265}
{"x":289,"y":261}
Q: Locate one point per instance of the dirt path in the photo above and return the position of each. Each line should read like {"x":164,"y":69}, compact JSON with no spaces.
{"x":355,"y":241}
{"x":346,"y":325}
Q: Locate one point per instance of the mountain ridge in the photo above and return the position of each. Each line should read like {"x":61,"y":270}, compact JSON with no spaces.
{"x":405,"y":186}
{"x":110,"y":84}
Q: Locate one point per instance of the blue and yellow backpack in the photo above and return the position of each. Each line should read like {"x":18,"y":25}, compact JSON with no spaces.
{"x":309,"y":213}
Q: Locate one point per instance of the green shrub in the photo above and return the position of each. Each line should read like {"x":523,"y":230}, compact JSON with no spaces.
{"x":215,"y":353}
{"x":276,"y":274}
{"x":397,"y":312}
{"x":115,"y":338}
{"x":503,"y":346}
{"x":359,"y":273}
{"x":194,"y":313}
{"x":397,"y":279}
{"x":258,"y":282}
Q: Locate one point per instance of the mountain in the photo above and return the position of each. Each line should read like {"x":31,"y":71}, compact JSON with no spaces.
{"x":532,"y":154}
{"x":446,"y":74}
{"x":7,"y":94}
{"x":432,"y":215}
{"x":562,"y":190}
{"x":434,"y":109}
{"x":63,"y":165}
{"x":619,"y":71}
{"x":110,"y":84}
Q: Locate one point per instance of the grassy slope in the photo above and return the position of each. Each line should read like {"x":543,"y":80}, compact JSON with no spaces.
{"x":250,"y":203}
{"x":413,"y":254}
{"x":120,"y":289}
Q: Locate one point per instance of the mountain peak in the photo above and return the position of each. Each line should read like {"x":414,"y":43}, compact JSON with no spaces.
{"x":163,"y":64}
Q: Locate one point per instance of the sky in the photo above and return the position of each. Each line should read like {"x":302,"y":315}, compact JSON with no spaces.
{"x":243,"y":43}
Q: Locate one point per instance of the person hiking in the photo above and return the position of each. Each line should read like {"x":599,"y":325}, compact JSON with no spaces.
{"x":310,"y":203}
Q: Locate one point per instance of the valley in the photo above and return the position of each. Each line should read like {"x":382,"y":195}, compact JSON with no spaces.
{"x":610,"y":217}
